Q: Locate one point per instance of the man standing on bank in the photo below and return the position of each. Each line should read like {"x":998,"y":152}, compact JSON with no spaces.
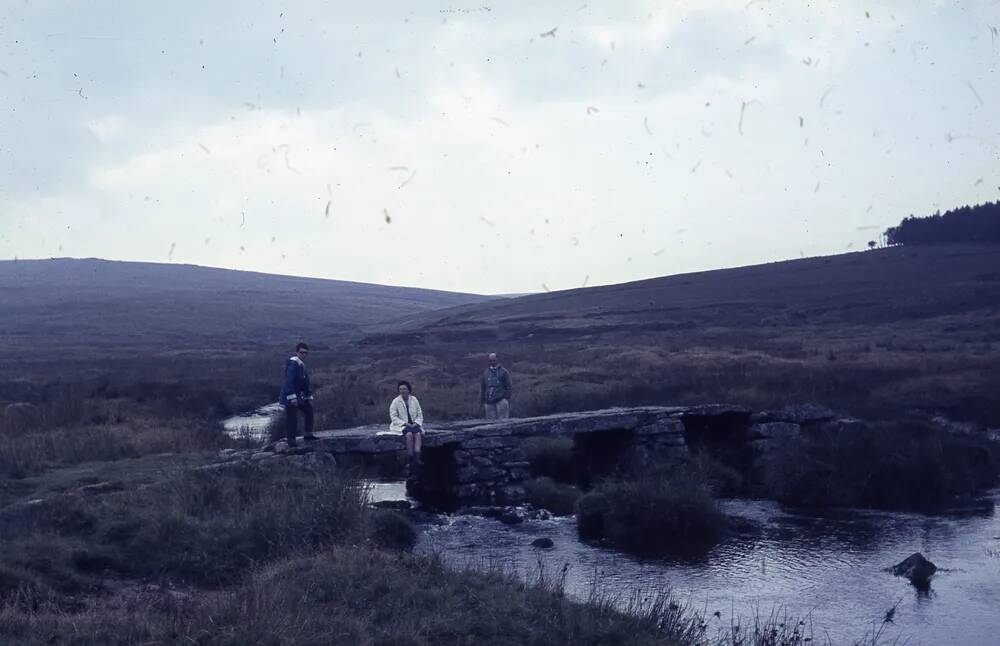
{"x":495,"y":390}
{"x":296,"y":395}
{"x":406,"y":416}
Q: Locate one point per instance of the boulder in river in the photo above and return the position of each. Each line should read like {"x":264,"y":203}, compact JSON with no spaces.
{"x":916,"y":568}
{"x":396,"y":505}
{"x":510,"y":517}
{"x":506,"y":515}
{"x":543,"y":543}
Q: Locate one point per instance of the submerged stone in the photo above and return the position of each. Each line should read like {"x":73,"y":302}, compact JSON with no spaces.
{"x":916,"y":568}
{"x":510,"y":517}
{"x":396,"y":505}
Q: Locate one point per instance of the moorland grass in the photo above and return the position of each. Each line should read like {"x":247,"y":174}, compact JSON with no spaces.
{"x":202,"y":528}
{"x":888,"y":466}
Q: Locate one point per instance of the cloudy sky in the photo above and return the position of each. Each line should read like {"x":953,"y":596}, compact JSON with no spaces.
{"x":488,"y":146}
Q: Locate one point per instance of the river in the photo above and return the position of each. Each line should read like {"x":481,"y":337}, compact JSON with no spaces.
{"x":252,"y":426}
{"x":827,"y":569}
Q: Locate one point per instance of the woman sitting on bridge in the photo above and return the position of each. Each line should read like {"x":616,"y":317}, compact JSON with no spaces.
{"x":405,"y":415}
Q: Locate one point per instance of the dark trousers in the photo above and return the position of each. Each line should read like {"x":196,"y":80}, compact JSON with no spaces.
{"x":292,"y":419}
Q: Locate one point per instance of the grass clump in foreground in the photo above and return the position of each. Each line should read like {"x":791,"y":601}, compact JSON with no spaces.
{"x":891,"y":466}
{"x":656,"y":510}
{"x":202,"y":528}
{"x":352,"y":596}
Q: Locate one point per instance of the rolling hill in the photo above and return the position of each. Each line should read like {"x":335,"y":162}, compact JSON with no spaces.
{"x":114,"y":306}
{"x":865,"y":288}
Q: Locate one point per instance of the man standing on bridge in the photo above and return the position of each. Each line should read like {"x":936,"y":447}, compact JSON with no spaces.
{"x":296,"y":395}
{"x":495,"y":390}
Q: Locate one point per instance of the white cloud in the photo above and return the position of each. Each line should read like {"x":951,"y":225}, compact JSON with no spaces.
{"x":107,"y":128}
{"x":505,"y":159}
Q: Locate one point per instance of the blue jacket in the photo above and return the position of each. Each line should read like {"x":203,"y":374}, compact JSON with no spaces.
{"x":296,"y":386}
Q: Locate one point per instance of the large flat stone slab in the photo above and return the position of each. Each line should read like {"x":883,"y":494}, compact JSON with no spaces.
{"x":646,"y":420}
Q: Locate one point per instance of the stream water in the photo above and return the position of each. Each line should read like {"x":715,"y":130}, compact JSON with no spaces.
{"x":828,"y":570}
{"x":252,"y":426}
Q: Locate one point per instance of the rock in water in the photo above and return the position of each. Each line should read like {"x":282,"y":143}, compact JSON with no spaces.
{"x":544,"y":543}
{"x":510,"y":517}
{"x":917,"y":569}
{"x":397,"y":505}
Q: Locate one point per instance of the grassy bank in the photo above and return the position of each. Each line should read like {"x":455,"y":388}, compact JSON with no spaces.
{"x":345,"y":596}
{"x":56,"y":414}
{"x":198,"y":528}
{"x":31,"y":453}
{"x":888,"y":466}
{"x":268,"y":556}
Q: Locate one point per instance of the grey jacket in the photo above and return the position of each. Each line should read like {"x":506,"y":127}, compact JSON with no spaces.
{"x":495,"y":385}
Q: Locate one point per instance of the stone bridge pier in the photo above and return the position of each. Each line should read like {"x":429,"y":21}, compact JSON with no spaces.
{"x":486,"y":461}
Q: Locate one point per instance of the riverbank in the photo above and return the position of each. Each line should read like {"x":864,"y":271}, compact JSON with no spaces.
{"x":345,"y":595}
{"x":268,"y":555}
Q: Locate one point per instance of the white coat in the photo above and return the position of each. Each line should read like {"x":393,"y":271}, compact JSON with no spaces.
{"x":397,"y":413}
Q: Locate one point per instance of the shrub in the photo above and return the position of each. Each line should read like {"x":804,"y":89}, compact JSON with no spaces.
{"x":653,"y":511}
{"x":721,"y":479}
{"x":557,"y":497}
{"x":391,"y":530}
{"x":901,"y":466}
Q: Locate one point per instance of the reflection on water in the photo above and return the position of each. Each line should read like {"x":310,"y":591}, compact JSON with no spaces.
{"x":382,"y":491}
{"x":828,"y":568}
{"x":252,"y":426}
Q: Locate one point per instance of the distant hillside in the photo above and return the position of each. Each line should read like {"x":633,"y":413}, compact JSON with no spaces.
{"x":864,"y":288}
{"x":116,"y":305}
{"x":884,"y":334}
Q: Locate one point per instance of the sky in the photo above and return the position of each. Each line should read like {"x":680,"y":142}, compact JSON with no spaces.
{"x":489,"y":147}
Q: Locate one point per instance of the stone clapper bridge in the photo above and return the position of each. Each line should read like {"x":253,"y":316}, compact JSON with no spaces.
{"x":484,"y":461}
